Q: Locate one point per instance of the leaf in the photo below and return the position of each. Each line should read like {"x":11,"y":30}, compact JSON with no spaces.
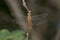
{"x":4,"y":34}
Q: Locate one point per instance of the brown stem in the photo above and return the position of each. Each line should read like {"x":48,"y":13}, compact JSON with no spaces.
{"x":16,"y":9}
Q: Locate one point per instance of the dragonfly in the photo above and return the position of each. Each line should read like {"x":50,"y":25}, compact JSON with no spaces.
{"x":29,"y":22}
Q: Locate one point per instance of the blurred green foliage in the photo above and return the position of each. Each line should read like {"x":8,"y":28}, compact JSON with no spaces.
{"x":14,"y":35}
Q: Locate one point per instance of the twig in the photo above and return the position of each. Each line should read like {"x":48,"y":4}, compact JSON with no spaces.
{"x":16,"y":9}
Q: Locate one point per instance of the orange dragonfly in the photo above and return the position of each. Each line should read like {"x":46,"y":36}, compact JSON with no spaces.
{"x":29,"y":21}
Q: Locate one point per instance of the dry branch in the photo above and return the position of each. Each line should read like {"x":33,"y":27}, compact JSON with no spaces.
{"x":16,"y":9}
